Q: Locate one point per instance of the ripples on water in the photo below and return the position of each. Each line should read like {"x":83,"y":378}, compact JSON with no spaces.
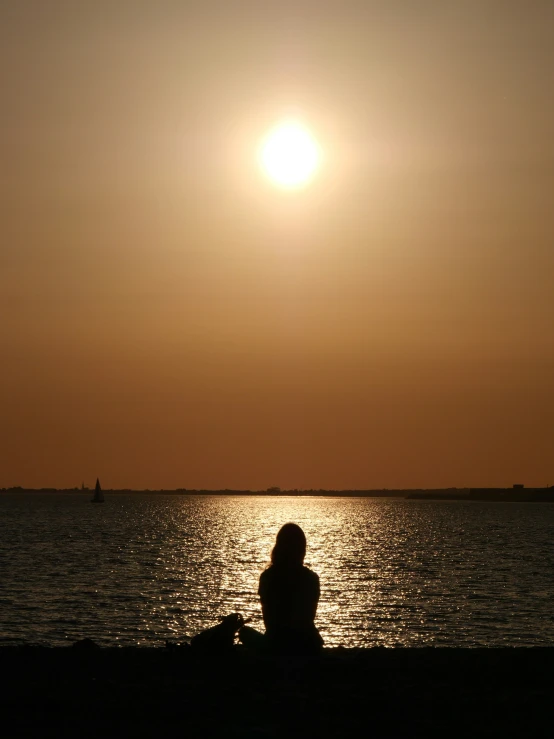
{"x":141,"y":569}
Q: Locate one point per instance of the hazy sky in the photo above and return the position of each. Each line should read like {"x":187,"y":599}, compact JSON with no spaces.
{"x":168,"y":318}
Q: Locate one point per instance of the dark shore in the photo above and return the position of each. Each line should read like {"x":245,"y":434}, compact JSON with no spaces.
{"x":156,"y":692}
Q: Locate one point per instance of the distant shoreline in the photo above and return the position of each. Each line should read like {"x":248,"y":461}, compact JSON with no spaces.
{"x":516,"y":494}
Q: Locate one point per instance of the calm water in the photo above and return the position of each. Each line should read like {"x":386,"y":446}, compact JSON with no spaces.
{"x":141,"y":569}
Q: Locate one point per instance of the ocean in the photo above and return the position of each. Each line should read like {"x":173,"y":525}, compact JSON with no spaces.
{"x":143,"y":568}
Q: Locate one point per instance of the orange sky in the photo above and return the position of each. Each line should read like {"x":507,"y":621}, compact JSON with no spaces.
{"x":170,"y":319}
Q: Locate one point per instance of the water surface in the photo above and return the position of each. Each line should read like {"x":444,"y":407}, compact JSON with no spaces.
{"x":140,"y":569}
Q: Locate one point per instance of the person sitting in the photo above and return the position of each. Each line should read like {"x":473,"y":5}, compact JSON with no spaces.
{"x":289,"y":594}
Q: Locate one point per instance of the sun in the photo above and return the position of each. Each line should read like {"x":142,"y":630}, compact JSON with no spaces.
{"x":289,"y":155}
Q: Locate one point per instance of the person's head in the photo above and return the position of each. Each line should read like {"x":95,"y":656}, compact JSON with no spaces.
{"x":290,"y":547}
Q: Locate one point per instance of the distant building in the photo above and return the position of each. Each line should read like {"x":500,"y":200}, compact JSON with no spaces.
{"x":518,"y":487}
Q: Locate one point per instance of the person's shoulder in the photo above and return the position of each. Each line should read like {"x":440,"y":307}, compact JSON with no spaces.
{"x":267,"y":576}
{"x":310,"y":575}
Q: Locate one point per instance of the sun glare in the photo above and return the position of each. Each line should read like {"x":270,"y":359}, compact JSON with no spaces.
{"x":289,"y":155}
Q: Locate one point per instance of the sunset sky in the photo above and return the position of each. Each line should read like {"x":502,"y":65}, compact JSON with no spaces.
{"x":170,"y":318}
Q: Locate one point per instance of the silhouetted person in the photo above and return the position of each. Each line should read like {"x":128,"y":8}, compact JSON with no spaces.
{"x":289,"y":593}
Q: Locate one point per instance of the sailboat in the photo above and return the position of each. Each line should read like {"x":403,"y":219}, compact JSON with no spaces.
{"x":98,"y":494}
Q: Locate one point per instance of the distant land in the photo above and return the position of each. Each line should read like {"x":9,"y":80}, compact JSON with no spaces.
{"x":515,"y":494}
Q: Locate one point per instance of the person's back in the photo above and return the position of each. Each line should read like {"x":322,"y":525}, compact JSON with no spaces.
{"x":289,"y":594}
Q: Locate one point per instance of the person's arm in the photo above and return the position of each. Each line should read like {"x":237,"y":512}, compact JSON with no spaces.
{"x":262,"y":592}
{"x":265,"y":614}
{"x":315,"y":599}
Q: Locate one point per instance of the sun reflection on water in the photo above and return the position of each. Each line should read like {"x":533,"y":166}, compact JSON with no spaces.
{"x":142,"y":569}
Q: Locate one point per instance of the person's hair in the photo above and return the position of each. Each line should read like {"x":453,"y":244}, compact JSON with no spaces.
{"x":290,"y":546}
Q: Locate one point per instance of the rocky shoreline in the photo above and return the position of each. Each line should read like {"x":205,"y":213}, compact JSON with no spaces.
{"x":343,"y":692}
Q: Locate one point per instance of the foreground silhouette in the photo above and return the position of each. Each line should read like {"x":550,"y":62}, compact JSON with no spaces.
{"x":289,"y":594}
{"x":217,"y":639}
{"x":377,"y":693}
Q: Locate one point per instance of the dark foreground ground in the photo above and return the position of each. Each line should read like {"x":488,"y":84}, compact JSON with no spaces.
{"x":73,"y":692}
